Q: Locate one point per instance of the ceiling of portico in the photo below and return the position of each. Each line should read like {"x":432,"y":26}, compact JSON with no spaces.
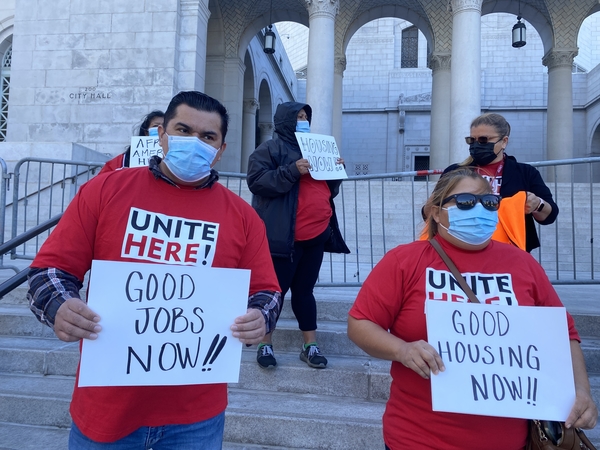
{"x":556,"y":21}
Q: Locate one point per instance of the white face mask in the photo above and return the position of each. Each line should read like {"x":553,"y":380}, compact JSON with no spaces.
{"x":188,"y":158}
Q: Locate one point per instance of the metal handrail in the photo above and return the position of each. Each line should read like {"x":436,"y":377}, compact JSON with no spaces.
{"x":19,"y":278}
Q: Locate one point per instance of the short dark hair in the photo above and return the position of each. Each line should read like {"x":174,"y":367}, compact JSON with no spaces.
{"x":143,"y":131}
{"x":201,"y":102}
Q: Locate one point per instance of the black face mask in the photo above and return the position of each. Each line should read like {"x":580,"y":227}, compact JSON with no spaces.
{"x":482,"y":154}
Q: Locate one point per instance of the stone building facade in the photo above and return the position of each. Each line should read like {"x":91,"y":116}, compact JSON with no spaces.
{"x":85,"y":72}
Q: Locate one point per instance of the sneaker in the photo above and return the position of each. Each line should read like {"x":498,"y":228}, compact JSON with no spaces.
{"x":265,"y":356}
{"x":312,"y":356}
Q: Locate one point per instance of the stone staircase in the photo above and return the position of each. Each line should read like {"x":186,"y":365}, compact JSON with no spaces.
{"x":290,"y":407}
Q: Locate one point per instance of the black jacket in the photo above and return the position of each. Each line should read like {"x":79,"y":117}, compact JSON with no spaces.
{"x":517,"y":177}
{"x":274,"y":180}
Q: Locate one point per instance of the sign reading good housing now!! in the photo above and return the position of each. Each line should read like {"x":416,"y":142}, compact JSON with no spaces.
{"x":322,"y":153}
{"x":507,"y":361}
{"x":163,"y":324}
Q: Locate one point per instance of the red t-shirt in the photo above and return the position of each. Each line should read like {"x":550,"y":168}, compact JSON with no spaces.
{"x":313,"y":211}
{"x":113,"y":164}
{"x":493,"y":174}
{"x":96,"y":225}
{"x":393,"y":296}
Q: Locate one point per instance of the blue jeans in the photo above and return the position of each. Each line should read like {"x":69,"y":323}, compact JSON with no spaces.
{"x":205,"y":435}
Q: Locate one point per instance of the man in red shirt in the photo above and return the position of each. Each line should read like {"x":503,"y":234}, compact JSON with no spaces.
{"x":105,"y":221}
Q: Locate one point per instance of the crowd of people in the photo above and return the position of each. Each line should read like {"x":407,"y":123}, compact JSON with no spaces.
{"x":481,"y":213}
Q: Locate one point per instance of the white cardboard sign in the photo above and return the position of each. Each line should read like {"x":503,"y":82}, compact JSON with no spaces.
{"x":142,"y":149}
{"x":163,"y":324}
{"x":506,"y":361}
{"x":322,"y":152}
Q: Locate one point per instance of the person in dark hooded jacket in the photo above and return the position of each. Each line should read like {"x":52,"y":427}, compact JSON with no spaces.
{"x":299,"y":215}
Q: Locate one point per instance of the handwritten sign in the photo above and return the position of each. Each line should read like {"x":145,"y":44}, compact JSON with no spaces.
{"x":142,"y":149}
{"x":163,"y":324}
{"x":501,"y":360}
{"x":322,"y":153}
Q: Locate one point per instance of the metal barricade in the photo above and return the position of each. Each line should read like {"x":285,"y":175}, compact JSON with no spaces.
{"x":378,"y":212}
{"x":42,"y":189}
{"x":375,"y":214}
{"x":4,"y":186}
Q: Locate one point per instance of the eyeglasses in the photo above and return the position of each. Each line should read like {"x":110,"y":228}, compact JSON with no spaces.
{"x":481,"y":139}
{"x":491,"y":202}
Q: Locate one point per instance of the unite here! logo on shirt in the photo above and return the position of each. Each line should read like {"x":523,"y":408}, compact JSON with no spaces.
{"x":491,"y":289}
{"x":166,"y":239}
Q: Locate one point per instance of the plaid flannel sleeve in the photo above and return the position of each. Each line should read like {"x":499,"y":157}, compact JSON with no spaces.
{"x":269,"y":304}
{"x":48,"y":289}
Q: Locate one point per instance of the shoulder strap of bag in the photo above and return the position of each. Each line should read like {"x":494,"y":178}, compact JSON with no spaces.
{"x":461,"y":280}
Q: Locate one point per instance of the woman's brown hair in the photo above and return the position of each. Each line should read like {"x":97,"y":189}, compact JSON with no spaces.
{"x":494,"y":120}
{"x":443,"y":187}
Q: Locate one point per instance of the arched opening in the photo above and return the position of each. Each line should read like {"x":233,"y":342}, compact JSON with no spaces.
{"x":386,"y":98}
{"x":5,"y":65}
{"x":294,"y":37}
{"x":264,"y":117}
{"x":514,"y":84}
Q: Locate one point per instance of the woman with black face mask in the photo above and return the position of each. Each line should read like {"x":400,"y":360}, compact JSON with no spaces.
{"x":487,"y":141}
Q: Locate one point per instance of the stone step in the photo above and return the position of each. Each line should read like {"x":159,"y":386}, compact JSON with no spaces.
{"x":50,"y":356}
{"x":333,"y":304}
{"x":359,"y":377}
{"x":304,"y":420}
{"x":17,"y":320}
{"x":335,"y":422}
{"x":14,"y":436}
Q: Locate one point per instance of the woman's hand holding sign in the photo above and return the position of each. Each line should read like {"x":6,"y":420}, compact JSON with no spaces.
{"x":303,"y":165}
{"x":421,"y":357}
{"x":584,"y":413}
{"x":75,"y":320}
{"x":249,"y":328}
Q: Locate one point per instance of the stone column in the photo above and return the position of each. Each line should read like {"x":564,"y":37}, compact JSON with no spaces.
{"x":560,"y":107}
{"x":192,"y":45}
{"x":319,"y":80}
{"x":266,"y":131}
{"x":233,"y":99}
{"x":248,"y":131}
{"x":465,"y":93}
{"x":338,"y":93}
{"x":439,"y":140}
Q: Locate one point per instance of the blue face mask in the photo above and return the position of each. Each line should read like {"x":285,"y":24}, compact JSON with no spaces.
{"x":188,"y":158}
{"x":472,"y":226}
{"x":153,"y":131}
{"x":302,"y":126}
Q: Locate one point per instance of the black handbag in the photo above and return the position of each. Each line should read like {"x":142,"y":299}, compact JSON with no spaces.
{"x":543,"y":434}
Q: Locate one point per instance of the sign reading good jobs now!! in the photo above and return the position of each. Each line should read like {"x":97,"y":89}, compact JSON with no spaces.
{"x":322,"y":153}
{"x":507,"y":361}
{"x":163,"y":324}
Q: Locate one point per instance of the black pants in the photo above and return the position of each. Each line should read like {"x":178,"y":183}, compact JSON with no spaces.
{"x":299,"y":274}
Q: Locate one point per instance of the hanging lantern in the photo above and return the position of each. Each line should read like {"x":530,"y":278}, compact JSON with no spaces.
{"x":269,"y":35}
{"x":269,"y":41}
{"x":518,"y":34}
